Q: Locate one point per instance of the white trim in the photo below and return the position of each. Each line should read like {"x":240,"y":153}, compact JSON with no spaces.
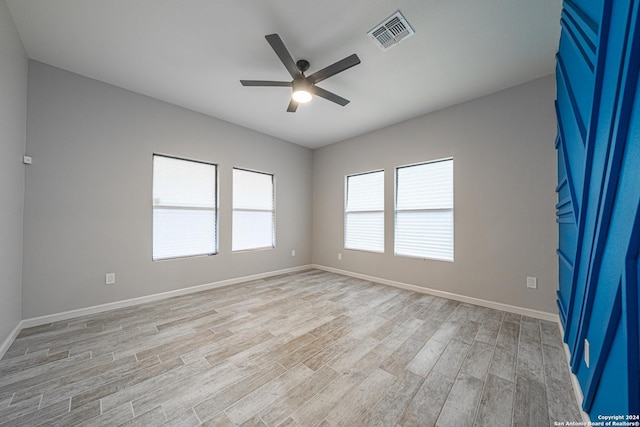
{"x":66,"y":315}
{"x":462,"y":298}
{"x":577,"y":391}
{"x":43,"y":320}
{"x":10,"y":339}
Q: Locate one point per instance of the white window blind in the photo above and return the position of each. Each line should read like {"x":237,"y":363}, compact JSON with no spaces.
{"x":184,"y":208}
{"x":253,"y":210}
{"x":364,"y":212}
{"x":424,"y":210}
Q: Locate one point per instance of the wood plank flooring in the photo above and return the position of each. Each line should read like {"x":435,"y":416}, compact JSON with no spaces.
{"x":306,"y":349}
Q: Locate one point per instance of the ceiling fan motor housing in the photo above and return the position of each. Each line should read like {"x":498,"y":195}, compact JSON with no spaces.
{"x":301,"y":83}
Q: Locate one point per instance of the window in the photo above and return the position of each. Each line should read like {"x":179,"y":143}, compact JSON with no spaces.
{"x":184,"y":208}
{"x":424,"y":210}
{"x":253,"y":210}
{"x":364,"y":212}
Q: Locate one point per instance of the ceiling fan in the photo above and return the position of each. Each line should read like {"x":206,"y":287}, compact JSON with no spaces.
{"x":303,"y":86}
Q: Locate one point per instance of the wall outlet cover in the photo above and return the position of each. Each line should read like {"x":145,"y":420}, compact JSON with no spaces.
{"x":110,"y":278}
{"x":586,"y":352}
{"x":532,"y":282}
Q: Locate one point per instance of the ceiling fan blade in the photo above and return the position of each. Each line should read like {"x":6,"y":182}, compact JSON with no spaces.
{"x":293,"y":106}
{"x":278,"y":46}
{"x":263,"y":83}
{"x":329,"y":95}
{"x":334,"y":69}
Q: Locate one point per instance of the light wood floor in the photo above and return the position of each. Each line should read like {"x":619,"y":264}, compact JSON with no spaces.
{"x":311,"y":348}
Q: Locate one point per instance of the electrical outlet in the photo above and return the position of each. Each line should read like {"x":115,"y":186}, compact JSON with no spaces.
{"x":339,"y":256}
{"x":293,"y":252}
{"x":586,"y":352}
{"x":532,"y":282}
{"x":110,"y":278}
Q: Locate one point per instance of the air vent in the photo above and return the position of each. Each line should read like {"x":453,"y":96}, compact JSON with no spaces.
{"x":391,"y":31}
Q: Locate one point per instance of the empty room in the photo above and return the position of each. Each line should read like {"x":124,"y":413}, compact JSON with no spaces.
{"x":296,"y":213}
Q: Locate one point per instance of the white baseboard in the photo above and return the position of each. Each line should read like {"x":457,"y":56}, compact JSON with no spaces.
{"x":66,"y":315}
{"x":577,"y":391}
{"x":43,"y":320}
{"x":10,"y":339}
{"x":51,"y":318}
{"x":462,"y":298}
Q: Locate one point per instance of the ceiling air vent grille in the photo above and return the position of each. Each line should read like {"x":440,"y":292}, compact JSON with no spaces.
{"x":391,"y":31}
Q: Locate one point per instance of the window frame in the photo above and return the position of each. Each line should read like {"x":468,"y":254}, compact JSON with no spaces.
{"x":346,"y":211}
{"x":215,"y":209}
{"x":273,"y":210}
{"x":452,"y":210}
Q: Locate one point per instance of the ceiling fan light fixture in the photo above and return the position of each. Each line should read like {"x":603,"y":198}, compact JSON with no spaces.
{"x":301,"y":96}
{"x":301,"y":91}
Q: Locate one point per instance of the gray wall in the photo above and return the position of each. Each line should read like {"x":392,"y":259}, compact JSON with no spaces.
{"x":13,"y":111}
{"x":504,"y":182}
{"x":88,"y":193}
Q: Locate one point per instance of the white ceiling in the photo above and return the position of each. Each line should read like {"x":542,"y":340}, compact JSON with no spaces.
{"x":193,"y":52}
